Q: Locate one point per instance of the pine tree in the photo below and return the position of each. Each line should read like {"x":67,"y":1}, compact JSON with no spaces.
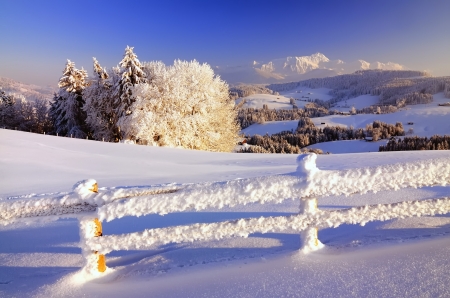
{"x":7,"y":110}
{"x":66,"y":109}
{"x":131,"y":74}
{"x":100,"y":114}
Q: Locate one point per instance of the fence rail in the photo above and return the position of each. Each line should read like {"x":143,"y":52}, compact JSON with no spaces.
{"x":91,"y":206}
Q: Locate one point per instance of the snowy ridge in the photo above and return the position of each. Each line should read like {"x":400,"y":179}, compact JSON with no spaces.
{"x":308,"y":181}
{"x":244,"y":227}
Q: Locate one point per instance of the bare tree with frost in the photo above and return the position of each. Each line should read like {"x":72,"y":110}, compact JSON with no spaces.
{"x":66,"y":109}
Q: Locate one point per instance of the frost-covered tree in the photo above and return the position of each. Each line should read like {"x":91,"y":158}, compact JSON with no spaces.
{"x":6,"y":109}
{"x":100,"y":113}
{"x":131,"y":74}
{"x":184,"y":105}
{"x":66,"y":109}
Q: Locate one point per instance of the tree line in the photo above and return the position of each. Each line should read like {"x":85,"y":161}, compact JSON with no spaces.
{"x":307,"y":134}
{"x":435,"y":142}
{"x":20,"y":114}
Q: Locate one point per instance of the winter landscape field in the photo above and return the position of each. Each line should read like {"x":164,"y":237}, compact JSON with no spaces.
{"x":41,"y":257}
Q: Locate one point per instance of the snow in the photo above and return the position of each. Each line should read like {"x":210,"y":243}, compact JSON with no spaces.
{"x":428,"y":120}
{"x":348,"y":146}
{"x":358,"y":102}
{"x":270,"y":127}
{"x":308,"y":93}
{"x":282,"y":101}
{"x":256,"y":101}
{"x":379,"y":259}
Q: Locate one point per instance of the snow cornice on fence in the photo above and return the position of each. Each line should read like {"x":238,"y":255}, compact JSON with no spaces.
{"x":244,"y":227}
{"x":307,"y":181}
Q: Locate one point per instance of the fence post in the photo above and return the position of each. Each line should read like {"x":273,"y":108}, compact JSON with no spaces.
{"x":306,"y":168}
{"x":94,"y":262}
{"x":309,"y":237}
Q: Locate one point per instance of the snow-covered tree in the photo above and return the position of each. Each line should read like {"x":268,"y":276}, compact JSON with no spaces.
{"x":131,"y":74}
{"x":184,"y":105}
{"x":6,"y":109}
{"x":100,"y":113}
{"x":66,"y":110}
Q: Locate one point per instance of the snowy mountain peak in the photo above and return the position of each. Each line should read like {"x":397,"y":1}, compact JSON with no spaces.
{"x":296,"y":68}
{"x":295,"y":65}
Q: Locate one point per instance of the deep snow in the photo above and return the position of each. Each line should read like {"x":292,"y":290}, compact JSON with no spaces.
{"x":399,"y":258}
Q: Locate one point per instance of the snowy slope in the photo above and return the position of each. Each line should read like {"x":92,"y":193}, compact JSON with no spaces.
{"x":302,"y":96}
{"x":358,"y":102}
{"x":379,"y":259}
{"x":428,"y":120}
{"x":30,"y":92}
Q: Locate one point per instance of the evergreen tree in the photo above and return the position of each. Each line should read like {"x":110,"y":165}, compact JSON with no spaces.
{"x":66,"y":110}
{"x":6,"y":110}
{"x":131,"y":74}
{"x":100,"y":114}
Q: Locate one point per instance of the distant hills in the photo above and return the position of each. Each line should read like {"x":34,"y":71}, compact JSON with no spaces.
{"x":30,"y":92}
{"x":296,"y":68}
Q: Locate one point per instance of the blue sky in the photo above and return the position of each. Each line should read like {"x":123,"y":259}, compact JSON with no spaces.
{"x":36,"y":37}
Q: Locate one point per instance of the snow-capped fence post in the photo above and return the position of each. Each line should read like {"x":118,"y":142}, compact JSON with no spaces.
{"x":90,"y":228}
{"x":306,"y":166}
{"x":309,"y":237}
{"x":94,"y":262}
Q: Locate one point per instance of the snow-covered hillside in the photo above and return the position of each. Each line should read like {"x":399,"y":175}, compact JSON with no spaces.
{"x":297,"y":68}
{"x":423,"y":120}
{"x":30,"y":92}
{"x":380,"y":259}
{"x":301,"y":95}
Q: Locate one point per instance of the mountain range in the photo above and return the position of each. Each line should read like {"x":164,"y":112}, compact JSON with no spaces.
{"x":295,"y":69}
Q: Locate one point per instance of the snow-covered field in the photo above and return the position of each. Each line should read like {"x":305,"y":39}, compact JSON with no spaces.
{"x":428,"y":120}
{"x":304,"y":93}
{"x":396,"y":258}
{"x":282,"y":101}
{"x":358,"y":102}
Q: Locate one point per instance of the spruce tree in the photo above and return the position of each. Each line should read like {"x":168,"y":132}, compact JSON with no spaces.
{"x":131,"y":74}
{"x":66,"y":110}
{"x":100,"y":115}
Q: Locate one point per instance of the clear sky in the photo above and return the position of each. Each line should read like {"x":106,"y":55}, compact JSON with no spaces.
{"x":36,"y":37}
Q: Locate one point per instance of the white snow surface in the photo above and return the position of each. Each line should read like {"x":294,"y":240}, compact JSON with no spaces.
{"x":379,"y":259}
{"x":358,"y":102}
{"x":302,"y":96}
